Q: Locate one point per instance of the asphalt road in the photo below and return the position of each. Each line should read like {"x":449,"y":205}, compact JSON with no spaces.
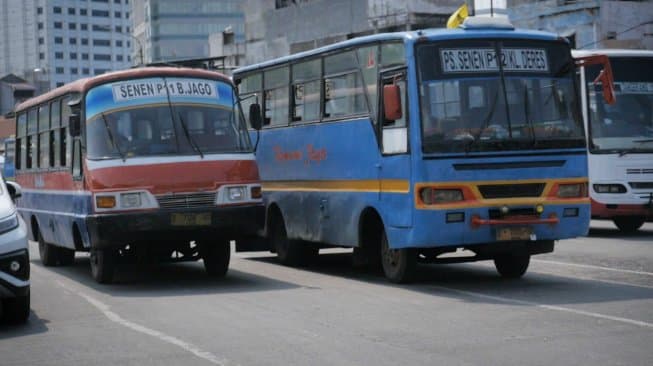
{"x":588,"y":303}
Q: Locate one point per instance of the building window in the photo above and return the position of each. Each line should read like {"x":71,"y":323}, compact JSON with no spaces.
{"x":116,"y":1}
{"x":83,"y":12}
{"x":39,"y":10}
{"x":58,"y":55}
{"x":84,"y":26}
{"x":99,"y":71}
{"x":84,"y":41}
{"x":41,"y":56}
{"x":40,"y":25}
{"x":57,"y":10}
{"x":58,"y":25}
{"x":101,"y":28}
{"x":72,"y":26}
{"x":73,"y":56}
{"x":117,"y":14}
{"x":71,"y":11}
{"x":84,"y":56}
{"x":72,"y":40}
{"x":119,"y":58}
{"x":74,"y":71}
{"x":127,"y":15}
{"x":59,"y":70}
{"x":59,"y":84}
{"x":41,"y":41}
{"x":58,"y":40}
{"x":118,"y":43}
{"x":101,"y":57}
{"x":85,"y":71}
{"x":101,"y":42}
{"x":100,"y":13}
{"x":118,"y":29}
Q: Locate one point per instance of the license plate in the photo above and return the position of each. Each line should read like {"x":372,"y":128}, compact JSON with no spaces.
{"x":191,"y":219}
{"x":514,"y":233}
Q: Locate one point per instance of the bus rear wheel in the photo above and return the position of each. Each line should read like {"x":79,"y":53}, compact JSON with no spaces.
{"x":216,"y":257}
{"x":629,"y":224}
{"x":399,"y":265}
{"x":512,"y":265}
{"x":291,"y":252}
{"x":47,"y":252}
{"x":103,"y":264}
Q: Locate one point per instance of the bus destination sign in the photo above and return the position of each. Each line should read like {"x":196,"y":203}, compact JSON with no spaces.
{"x":148,"y":88}
{"x":470,"y":60}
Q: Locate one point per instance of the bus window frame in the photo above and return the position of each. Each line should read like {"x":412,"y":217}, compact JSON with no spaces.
{"x":275,"y":87}
{"x":294,"y":82}
{"x":391,"y":73}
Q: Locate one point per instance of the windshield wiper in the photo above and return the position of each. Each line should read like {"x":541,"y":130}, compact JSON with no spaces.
{"x":527,"y":115}
{"x":189,"y":137}
{"x":642,"y":141}
{"x":111,"y":139}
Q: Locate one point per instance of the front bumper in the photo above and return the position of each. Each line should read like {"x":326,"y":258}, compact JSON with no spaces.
{"x":608,"y":211}
{"x":233,"y":222}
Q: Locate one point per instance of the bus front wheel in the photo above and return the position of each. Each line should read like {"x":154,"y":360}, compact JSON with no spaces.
{"x":399,"y":265}
{"x":512,"y":265}
{"x":103,"y":264}
{"x":629,"y":224}
{"x":216,"y":257}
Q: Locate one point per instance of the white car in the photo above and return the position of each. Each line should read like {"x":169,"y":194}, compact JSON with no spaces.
{"x":14,"y":258}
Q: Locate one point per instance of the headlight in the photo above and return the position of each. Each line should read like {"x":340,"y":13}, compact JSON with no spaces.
{"x":122,"y":201}
{"x":572,"y":190}
{"x":238,"y":194}
{"x":8,"y":223}
{"x":609,"y":188}
{"x":432,"y":196}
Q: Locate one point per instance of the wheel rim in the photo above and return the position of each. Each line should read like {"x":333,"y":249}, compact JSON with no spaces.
{"x":391,"y":257}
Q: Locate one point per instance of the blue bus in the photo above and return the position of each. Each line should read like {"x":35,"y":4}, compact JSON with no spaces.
{"x":9,"y":167}
{"x":411,"y":146}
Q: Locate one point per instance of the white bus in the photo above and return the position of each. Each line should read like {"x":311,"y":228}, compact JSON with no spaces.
{"x":620,"y":138}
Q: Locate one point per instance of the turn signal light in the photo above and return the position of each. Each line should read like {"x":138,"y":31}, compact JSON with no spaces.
{"x":256,"y":192}
{"x":105,"y":201}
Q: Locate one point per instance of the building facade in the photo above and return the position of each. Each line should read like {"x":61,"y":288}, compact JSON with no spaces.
{"x":52,"y":42}
{"x":172,"y":30}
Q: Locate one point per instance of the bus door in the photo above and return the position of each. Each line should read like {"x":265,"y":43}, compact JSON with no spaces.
{"x":394,"y":166}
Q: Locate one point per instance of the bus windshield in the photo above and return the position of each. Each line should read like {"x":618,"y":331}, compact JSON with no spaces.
{"x":471,"y":103}
{"x":142,"y":121}
{"x":627,"y":125}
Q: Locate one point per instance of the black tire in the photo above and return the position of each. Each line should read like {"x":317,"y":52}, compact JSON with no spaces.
{"x":103,"y":265}
{"x":66,"y":256}
{"x":512,"y":265}
{"x":399,"y":265}
{"x":629,"y":224}
{"x":16,"y":310}
{"x":47,"y":252}
{"x":291,"y":252}
{"x":216,"y":257}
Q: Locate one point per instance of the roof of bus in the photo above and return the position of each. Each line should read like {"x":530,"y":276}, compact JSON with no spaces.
{"x":81,"y":85}
{"x":613,"y":52}
{"x":410,"y":36}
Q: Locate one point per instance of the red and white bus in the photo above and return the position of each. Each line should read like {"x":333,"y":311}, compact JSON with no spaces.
{"x":149,"y":163}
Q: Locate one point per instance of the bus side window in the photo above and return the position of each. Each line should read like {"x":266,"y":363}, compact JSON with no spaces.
{"x":275,"y":97}
{"x":77,"y":159}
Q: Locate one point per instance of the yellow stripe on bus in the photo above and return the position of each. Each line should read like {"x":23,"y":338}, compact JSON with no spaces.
{"x":386,"y":185}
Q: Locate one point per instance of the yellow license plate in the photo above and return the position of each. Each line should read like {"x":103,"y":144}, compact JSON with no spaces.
{"x":191,"y":219}
{"x":514,"y":233}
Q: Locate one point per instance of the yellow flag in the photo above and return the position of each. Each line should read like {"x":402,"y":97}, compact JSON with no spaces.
{"x":457,"y":17}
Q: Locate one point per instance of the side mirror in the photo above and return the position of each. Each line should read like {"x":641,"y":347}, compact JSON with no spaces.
{"x":392,"y":102}
{"x":74,"y":125}
{"x":255,"y":119}
{"x":14,"y":189}
{"x":605,"y":76}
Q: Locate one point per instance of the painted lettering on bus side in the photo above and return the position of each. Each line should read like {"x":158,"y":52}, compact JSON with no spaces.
{"x":280,"y":155}
{"x":315,"y":155}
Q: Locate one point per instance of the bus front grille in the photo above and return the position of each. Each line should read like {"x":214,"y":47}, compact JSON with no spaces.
{"x":641,"y":185}
{"x":511,"y":190}
{"x":186,"y":200}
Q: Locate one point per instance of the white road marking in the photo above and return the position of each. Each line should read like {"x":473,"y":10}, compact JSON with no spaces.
{"x":105,"y":309}
{"x":548,"y":307}
{"x":593,"y":267}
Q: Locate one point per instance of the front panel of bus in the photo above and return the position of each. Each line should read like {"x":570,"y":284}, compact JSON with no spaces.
{"x":173,"y":148}
{"x":621,"y":140}
{"x":500,"y":144}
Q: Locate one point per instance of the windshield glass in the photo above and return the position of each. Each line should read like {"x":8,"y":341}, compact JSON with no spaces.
{"x":627,"y":125}
{"x":468,"y":106}
{"x":140,"y":118}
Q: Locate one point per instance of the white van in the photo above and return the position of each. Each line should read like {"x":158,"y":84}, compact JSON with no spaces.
{"x":14,"y":258}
